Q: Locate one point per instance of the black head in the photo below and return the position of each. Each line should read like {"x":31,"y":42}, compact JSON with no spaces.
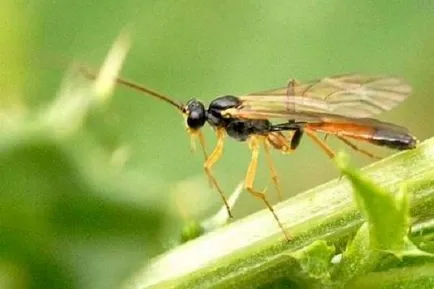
{"x":196,"y":114}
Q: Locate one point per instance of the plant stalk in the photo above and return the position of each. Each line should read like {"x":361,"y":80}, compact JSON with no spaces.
{"x":251,"y":252}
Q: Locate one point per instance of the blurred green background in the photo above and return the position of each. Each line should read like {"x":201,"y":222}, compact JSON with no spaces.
{"x":197,"y":49}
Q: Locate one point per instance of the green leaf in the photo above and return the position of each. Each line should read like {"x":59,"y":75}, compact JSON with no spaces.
{"x":315,"y":261}
{"x":387,"y":214}
{"x":357,"y":260}
{"x":385,"y":231}
{"x":65,"y":201}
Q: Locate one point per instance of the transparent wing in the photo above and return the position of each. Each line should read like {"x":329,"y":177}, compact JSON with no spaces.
{"x":353,"y":96}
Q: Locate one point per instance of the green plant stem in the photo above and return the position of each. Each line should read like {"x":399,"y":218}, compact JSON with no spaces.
{"x":251,"y":252}
{"x":419,"y":277}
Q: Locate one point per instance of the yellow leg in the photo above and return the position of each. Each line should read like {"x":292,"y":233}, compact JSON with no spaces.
{"x":357,"y":149}
{"x":197,"y":134}
{"x":209,"y":163}
{"x":250,"y":178}
{"x":321,"y":143}
{"x":330,"y":152}
{"x":202,"y":144}
{"x":192,"y":140}
{"x":273,"y":171}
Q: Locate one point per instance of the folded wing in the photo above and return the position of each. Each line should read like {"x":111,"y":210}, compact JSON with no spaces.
{"x":351,"y":96}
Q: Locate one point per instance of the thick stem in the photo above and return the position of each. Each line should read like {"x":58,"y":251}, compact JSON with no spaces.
{"x":250,"y":252}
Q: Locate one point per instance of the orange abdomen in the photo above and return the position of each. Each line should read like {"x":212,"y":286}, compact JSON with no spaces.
{"x":394,"y":137}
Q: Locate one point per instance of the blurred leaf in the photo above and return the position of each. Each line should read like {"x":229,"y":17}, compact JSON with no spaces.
{"x":191,"y":231}
{"x":66,"y":208}
{"x":13,"y":45}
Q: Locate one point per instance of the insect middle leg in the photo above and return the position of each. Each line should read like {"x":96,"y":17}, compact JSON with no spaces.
{"x":285,"y":144}
{"x":209,"y":163}
{"x":273,"y":171}
{"x":254,"y":144}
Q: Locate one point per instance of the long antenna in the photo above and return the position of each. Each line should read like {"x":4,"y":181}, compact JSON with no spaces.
{"x":89,"y":74}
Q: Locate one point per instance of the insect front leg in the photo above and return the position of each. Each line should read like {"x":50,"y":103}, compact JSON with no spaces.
{"x":197,"y":134}
{"x":211,"y":160}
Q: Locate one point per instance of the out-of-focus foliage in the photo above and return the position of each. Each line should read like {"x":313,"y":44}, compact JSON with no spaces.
{"x":78,"y":208}
{"x":71,"y":214}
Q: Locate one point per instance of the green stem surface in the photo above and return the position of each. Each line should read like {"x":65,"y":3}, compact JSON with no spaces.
{"x":251,"y":252}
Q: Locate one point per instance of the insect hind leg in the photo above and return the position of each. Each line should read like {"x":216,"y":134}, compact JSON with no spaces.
{"x":322,"y":144}
{"x":357,"y":149}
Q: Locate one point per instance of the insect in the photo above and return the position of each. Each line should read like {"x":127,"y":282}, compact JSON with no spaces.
{"x":340,"y":106}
